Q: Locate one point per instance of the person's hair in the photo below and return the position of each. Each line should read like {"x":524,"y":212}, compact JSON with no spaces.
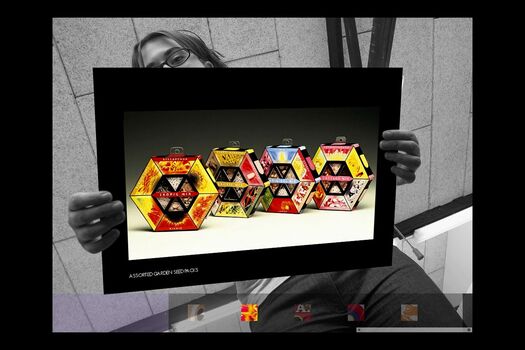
{"x":187,"y":41}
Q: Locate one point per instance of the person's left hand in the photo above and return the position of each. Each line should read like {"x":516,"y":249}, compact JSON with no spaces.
{"x":404,"y":148}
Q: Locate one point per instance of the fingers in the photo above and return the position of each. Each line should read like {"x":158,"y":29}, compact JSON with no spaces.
{"x":86,"y":216}
{"x":93,"y":217}
{"x":405,"y":174}
{"x":88,"y":233}
{"x":410,"y":147}
{"x":82,"y":200}
{"x":400,"y":135}
{"x":408,"y":161}
{"x":400,"y":181}
{"x":411,"y":162}
{"x":104,"y":242}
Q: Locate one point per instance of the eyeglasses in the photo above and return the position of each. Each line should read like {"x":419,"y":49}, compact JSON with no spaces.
{"x":175,"y":59}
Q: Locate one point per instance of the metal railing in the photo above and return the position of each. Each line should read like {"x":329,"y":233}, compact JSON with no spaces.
{"x":380,"y":42}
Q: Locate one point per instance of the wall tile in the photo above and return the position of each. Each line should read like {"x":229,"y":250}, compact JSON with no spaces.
{"x":471,"y":94}
{"x":364,"y":47}
{"x":199,"y":26}
{"x":85,"y":43}
{"x":74,"y":167}
{"x":61,"y":283}
{"x":268,"y":60}
{"x":242,"y":37}
{"x":112,"y":311}
{"x":412,"y":50}
{"x":436,"y":251}
{"x":303,"y":42}
{"x":362,"y":25}
{"x":68,"y":315}
{"x":412,"y":199}
{"x":84,"y":268}
{"x":86,"y":104}
{"x":452,"y":89}
{"x":468,"y":169}
{"x":164,"y":299}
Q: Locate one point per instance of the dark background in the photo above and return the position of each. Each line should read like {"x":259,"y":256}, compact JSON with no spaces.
{"x":148,"y":134}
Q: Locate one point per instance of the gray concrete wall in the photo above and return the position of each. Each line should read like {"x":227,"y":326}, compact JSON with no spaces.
{"x":436,"y":55}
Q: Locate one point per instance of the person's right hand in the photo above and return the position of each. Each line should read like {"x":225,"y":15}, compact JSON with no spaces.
{"x":93,"y":216}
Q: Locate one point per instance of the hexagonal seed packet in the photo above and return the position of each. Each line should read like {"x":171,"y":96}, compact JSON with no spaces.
{"x":345,"y":175}
{"x":292,"y":177}
{"x":174,"y":192}
{"x":239,"y":178}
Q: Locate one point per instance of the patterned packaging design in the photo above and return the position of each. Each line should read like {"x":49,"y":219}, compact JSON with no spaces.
{"x":344,"y":176}
{"x":174,"y":192}
{"x":240,"y":181}
{"x":292,"y":177}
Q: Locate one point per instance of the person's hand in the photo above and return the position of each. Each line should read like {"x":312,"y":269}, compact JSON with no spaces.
{"x":404,"y":148}
{"x":93,"y":216}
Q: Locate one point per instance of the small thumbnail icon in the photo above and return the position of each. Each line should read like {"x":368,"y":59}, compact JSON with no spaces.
{"x":195,"y":312}
{"x":356,"y":312}
{"x":249,"y":312}
{"x":303,"y":312}
{"x":408,"y":312}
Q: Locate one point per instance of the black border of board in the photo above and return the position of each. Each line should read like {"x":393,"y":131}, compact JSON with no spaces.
{"x":120,"y":90}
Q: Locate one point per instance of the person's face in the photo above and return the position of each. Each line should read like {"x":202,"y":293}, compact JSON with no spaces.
{"x":156,"y":50}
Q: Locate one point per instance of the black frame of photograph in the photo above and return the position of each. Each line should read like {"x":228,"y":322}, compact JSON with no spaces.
{"x":120,"y":90}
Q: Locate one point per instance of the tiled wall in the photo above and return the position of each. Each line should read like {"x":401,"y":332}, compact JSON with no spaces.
{"x":436,"y":55}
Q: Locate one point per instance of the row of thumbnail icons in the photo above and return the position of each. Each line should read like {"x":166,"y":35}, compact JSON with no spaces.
{"x":303,"y":312}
